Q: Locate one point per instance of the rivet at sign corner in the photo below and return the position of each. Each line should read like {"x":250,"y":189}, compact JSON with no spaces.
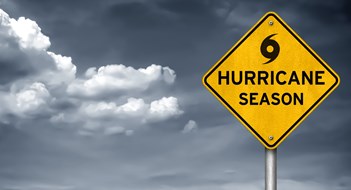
{"x":271,"y":73}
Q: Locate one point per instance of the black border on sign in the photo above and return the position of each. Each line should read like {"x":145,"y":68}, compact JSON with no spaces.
{"x":305,"y":46}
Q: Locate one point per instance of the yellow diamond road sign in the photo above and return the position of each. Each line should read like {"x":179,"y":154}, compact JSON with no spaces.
{"x":271,"y":80}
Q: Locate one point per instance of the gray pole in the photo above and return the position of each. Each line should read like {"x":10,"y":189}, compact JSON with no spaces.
{"x":271,"y":169}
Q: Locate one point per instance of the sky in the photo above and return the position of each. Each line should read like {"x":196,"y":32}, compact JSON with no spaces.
{"x":107,"y":95}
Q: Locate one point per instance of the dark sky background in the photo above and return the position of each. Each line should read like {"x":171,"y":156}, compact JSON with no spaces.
{"x":79,"y":112}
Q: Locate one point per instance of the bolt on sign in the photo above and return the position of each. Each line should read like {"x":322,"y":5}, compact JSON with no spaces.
{"x":271,"y":80}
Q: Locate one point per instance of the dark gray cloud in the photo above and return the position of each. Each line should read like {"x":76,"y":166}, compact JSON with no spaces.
{"x":189,"y":37}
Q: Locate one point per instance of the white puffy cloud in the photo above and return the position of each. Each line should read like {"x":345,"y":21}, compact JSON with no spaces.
{"x":101,"y":117}
{"x":164,"y":109}
{"x":28,"y":33}
{"x":36,"y":83}
{"x":66,"y":70}
{"x":191,"y":126}
{"x":135,"y":109}
{"x":116,"y":78}
{"x":32,"y":97}
{"x":24,"y":54}
{"x":26,"y":102}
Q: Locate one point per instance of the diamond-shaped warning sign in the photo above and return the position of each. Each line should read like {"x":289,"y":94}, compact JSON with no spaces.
{"x":271,"y":80}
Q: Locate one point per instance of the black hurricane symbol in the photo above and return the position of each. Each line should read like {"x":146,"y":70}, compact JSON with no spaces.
{"x":273,"y":54}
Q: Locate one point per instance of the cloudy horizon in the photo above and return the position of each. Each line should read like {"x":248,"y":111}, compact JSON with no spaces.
{"x":105,"y":95}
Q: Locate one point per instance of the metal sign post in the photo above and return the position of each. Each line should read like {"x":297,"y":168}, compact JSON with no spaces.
{"x":271,"y":80}
{"x":271,"y":169}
